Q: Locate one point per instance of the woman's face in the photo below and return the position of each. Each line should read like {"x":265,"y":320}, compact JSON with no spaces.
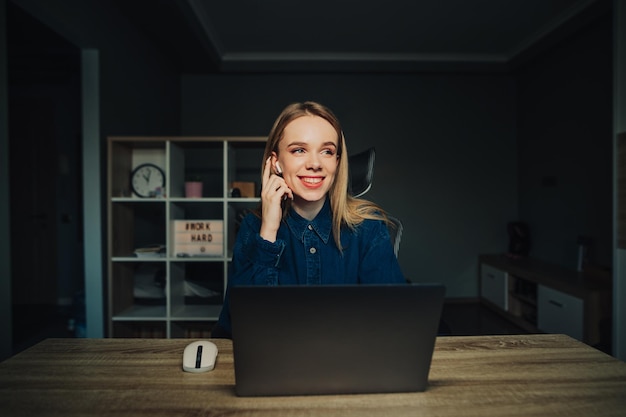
{"x":307,"y":155}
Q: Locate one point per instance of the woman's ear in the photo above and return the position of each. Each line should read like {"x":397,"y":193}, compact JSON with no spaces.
{"x":277,"y":169}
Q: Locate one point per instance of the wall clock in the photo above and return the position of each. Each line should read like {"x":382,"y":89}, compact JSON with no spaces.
{"x":146,"y":179}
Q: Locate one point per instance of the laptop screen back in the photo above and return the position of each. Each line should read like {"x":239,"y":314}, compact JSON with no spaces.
{"x":304,"y":340}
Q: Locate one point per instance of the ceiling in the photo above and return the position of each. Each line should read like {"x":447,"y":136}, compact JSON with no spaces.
{"x":355,"y":35}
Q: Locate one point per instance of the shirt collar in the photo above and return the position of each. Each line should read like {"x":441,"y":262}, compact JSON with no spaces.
{"x":321,"y":224}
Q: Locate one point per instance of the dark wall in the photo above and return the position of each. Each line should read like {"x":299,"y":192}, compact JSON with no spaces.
{"x":139,"y":94}
{"x":44,"y":99}
{"x":446,"y":152}
{"x":139,"y":88}
{"x":564,"y":131}
{"x":448,"y":146}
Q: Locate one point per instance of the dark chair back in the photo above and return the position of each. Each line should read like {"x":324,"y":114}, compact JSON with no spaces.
{"x":395,"y":232}
{"x":361,"y":173}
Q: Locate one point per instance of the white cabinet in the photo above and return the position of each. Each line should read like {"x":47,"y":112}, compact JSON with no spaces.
{"x":494,"y":286}
{"x":542,"y":297}
{"x":168,"y":294}
{"x":558,"y":312}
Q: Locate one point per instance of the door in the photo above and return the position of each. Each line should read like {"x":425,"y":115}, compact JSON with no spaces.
{"x":33,"y":192}
{"x":45,"y":206}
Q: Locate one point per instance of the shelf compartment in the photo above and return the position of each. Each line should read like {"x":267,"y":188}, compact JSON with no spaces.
{"x":522,"y":301}
{"x":196,"y":290}
{"x":129,"y":153}
{"x":203,"y":161}
{"x":138,"y":290}
{"x":135,"y":225}
{"x":244,"y":164}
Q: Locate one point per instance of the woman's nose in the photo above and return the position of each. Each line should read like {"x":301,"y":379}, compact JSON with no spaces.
{"x":313,"y":162}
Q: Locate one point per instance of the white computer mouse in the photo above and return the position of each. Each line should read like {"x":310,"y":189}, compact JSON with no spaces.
{"x":199,"y":356}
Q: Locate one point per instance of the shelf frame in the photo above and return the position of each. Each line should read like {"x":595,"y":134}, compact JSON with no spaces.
{"x":125,"y":316}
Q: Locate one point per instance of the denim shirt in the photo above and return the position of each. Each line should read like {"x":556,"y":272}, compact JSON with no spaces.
{"x":305,"y":253}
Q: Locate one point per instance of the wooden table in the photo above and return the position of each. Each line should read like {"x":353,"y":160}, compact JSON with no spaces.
{"x":527,"y":375}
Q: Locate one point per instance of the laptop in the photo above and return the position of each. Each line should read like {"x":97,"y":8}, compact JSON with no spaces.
{"x":339,"y":339}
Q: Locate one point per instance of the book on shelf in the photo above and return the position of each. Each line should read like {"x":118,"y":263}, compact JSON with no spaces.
{"x":150,"y":251}
{"x":193,"y":238}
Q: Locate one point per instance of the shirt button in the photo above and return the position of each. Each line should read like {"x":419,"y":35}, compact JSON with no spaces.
{"x":310,"y":227}
{"x":312,"y":250}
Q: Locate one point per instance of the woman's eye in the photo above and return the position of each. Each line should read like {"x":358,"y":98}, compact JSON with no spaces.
{"x":330,"y":152}
{"x":297,"y":150}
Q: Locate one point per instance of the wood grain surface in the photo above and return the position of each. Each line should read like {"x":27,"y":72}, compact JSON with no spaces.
{"x":526,"y":375}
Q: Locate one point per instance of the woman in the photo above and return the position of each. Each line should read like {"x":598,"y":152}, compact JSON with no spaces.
{"x":308,"y":230}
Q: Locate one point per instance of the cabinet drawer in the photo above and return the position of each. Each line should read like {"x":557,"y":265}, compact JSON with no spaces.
{"x":558,"y":312}
{"x":494,"y":286}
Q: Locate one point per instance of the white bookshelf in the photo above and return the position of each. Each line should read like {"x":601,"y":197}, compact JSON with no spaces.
{"x":159,"y":296}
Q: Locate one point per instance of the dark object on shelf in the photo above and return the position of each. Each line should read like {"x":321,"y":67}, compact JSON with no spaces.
{"x":519,"y":239}
{"x":235,"y":193}
{"x":246,"y":189}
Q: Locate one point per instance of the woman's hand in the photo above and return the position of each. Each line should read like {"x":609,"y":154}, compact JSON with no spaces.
{"x":274,"y":190}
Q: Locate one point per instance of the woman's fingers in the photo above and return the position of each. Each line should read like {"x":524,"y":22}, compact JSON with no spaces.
{"x":266,"y":172}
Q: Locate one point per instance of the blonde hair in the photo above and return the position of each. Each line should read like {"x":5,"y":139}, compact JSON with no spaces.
{"x":346,"y":210}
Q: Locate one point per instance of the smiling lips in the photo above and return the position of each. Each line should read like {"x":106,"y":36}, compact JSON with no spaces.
{"x":312,"y":182}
